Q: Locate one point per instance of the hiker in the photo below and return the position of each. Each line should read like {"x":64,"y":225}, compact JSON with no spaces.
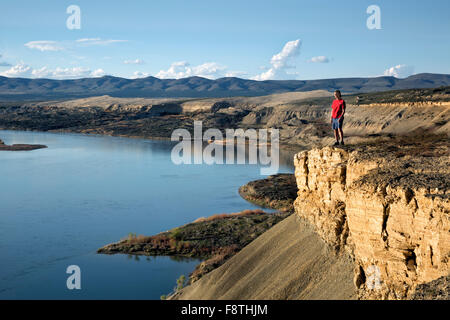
{"x":337,"y":117}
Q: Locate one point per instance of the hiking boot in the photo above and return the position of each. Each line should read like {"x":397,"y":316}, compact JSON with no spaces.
{"x":342,"y":143}
{"x":336,"y":144}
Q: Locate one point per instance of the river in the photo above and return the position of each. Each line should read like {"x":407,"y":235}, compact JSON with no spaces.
{"x":60,"y":204}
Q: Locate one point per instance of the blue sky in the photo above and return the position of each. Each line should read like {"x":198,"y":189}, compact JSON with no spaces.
{"x":249,"y":39}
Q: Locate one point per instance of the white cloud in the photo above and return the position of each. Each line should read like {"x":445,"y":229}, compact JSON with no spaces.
{"x":268,"y":75}
{"x":98,"y":73}
{"x":44,"y":45}
{"x":22,"y":70}
{"x":39,"y":73}
{"x":47,"y":45}
{"x":19,"y":70}
{"x":137,"y":61}
{"x":139,"y":74}
{"x":97,"y":41}
{"x":280,"y":62}
{"x":182,"y":69}
{"x":237,"y":74}
{"x":400,"y":71}
{"x":319,"y":59}
{"x":176,"y":70}
{"x":62,"y":73}
{"x":88,"y":39}
{"x":290,"y":49}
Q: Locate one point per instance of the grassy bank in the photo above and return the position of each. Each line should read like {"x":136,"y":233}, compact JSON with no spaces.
{"x":214,"y":239}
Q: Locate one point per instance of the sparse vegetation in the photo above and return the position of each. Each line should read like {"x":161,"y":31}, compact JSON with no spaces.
{"x":201,"y":238}
{"x":181,"y":282}
{"x":229,"y":215}
{"x":421,"y":144}
{"x":214,"y":238}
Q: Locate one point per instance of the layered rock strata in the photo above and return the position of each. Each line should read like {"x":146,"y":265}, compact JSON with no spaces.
{"x":387,"y":206}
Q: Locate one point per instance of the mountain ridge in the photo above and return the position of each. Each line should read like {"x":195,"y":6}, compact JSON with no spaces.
{"x":196,"y":87}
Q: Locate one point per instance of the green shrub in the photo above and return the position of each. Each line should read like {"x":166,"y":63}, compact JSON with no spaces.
{"x":181,"y":282}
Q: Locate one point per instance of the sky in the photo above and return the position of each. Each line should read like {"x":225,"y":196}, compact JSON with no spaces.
{"x":260,"y":40}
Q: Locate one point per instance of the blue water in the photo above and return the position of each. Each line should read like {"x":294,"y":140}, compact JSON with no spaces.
{"x":58,"y":205}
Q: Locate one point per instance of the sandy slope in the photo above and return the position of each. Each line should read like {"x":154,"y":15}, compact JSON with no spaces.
{"x":289,"y":261}
{"x":255,"y":102}
{"x":188,"y":104}
{"x":107,"y":101}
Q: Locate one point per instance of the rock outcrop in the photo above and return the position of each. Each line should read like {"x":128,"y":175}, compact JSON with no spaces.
{"x":385,"y":205}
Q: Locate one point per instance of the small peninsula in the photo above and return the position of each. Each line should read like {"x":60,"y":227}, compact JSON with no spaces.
{"x":20,"y":147}
{"x":216,"y":238}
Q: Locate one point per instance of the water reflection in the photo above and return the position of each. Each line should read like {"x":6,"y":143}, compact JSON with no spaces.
{"x":144,"y":147}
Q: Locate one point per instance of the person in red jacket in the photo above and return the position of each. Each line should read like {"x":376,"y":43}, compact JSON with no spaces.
{"x":337,"y":117}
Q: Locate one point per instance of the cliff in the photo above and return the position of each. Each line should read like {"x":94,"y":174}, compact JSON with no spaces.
{"x":386,"y":206}
{"x":372,"y":222}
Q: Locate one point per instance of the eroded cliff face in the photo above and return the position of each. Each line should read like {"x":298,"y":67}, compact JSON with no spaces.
{"x":387,"y":206}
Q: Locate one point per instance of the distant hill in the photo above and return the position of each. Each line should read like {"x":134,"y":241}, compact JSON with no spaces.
{"x":194,"y":87}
